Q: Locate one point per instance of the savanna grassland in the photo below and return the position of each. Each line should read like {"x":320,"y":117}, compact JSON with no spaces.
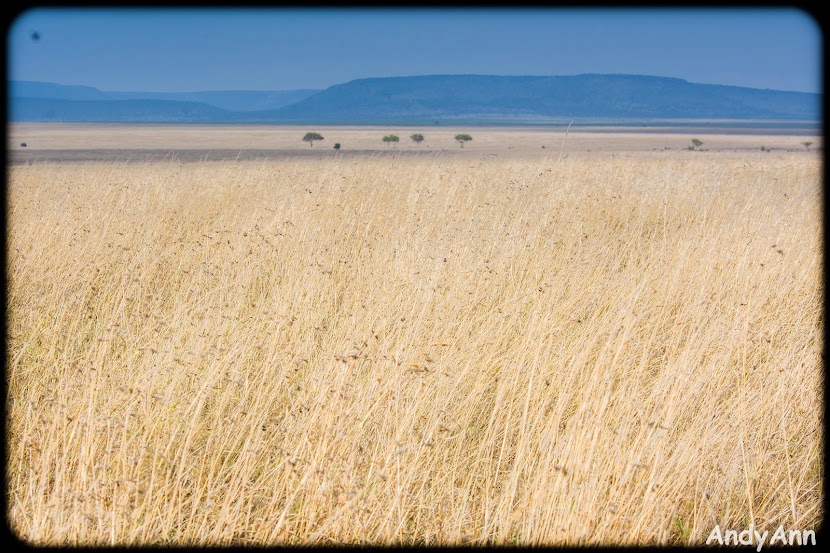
{"x":430,"y":350}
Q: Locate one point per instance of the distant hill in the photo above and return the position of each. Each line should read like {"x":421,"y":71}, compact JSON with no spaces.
{"x":479,"y":97}
{"x":110,"y":111}
{"x":34,"y":89}
{"x":232,"y":100}
{"x":467,"y":99}
{"x":225,"y":100}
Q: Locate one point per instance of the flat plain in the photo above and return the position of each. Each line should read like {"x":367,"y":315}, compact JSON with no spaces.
{"x":149,"y":142}
{"x":538,"y":346}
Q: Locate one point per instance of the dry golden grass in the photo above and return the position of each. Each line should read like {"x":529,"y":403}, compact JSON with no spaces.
{"x":594,"y":351}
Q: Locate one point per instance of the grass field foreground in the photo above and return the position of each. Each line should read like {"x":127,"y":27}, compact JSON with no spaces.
{"x":604,"y":350}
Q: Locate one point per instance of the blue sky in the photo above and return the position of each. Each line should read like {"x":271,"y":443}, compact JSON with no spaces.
{"x":278,"y":49}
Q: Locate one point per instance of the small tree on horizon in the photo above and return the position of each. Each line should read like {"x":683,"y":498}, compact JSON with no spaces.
{"x":310,"y":137}
{"x":462,"y":138}
{"x":390,"y":138}
{"x":807,"y":145}
{"x":696,"y":144}
{"x":417,"y":138}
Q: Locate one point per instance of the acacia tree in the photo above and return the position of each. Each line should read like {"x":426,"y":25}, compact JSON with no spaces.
{"x":807,"y":145}
{"x":696,"y":144}
{"x":390,"y":138}
{"x":417,"y":138}
{"x":462,"y":138}
{"x":310,"y":137}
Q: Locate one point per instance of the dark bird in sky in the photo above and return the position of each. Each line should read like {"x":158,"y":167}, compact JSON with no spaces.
{"x":35,"y":35}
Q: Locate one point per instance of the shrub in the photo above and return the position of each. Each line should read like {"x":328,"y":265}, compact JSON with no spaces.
{"x":310,"y":137}
{"x":462,"y":138}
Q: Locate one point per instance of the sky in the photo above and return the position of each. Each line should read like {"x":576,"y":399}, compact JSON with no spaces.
{"x":165,"y":50}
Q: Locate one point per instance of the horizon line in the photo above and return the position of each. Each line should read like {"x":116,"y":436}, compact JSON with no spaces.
{"x":641,"y":75}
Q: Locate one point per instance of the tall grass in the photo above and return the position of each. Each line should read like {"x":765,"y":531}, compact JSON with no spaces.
{"x":594,"y":351}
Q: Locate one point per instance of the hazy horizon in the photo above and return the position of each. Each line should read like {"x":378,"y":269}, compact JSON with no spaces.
{"x":392,"y":77}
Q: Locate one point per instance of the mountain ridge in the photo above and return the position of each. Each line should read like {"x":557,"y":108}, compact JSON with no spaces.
{"x":231,"y":100}
{"x":428,"y":99}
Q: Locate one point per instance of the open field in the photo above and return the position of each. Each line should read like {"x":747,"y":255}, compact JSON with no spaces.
{"x":414,"y":349}
{"x":139,"y":142}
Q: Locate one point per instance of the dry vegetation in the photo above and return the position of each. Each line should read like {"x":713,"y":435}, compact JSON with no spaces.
{"x":279,"y":139}
{"x":598,"y":350}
